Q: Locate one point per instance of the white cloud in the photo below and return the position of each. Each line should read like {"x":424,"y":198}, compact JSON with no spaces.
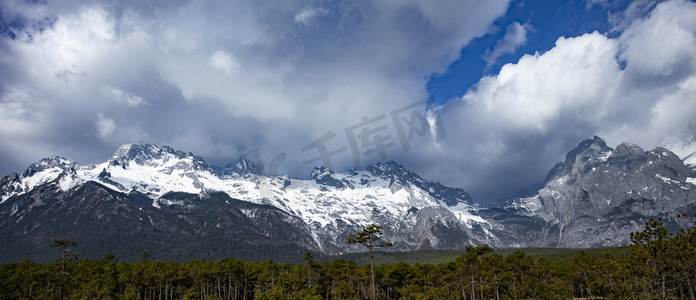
{"x":224,"y":62}
{"x":242,"y":78}
{"x":511,"y":128}
{"x":307,"y":14}
{"x":526,"y":117}
{"x":636,"y":10}
{"x":660,"y":57}
{"x":515,"y":36}
{"x":537,"y":89}
{"x":238,"y":75}
{"x":662,"y":45}
{"x":129,"y":99}
{"x":105,"y":126}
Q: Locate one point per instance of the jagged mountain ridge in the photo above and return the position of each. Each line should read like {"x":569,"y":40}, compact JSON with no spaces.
{"x":599,"y":195}
{"x":571,"y":210}
{"x":330,"y":205}
{"x":101,"y":219}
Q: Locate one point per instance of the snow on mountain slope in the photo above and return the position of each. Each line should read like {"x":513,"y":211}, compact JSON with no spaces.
{"x":361,"y":196}
{"x":385,"y":191}
{"x":596,"y":197}
{"x":52,"y":169}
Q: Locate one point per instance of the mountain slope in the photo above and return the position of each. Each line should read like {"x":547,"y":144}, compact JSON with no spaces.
{"x":599,"y":195}
{"x":327,"y":207}
{"x":175,"y":206}
{"x":105,"y":221}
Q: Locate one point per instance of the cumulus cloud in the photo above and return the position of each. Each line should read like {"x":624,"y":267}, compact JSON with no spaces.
{"x":636,"y":10}
{"x":105,"y":126}
{"x":221,"y":79}
{"x":224,"y":62}
{"x":510,"y":128}
{"x":124,"y":97}
{"x":307,"y":14}
{"x":231,"y":79}
{"x":515,"y":36}
{"x":514,"y":126}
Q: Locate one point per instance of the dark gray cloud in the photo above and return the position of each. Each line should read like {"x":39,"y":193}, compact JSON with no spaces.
{"x":245,"y":78}
{"x":221,"y":79}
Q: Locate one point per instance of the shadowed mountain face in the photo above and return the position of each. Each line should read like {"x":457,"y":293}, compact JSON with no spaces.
{"x":599,"y":195}
{"x":105,"y":221}
{"x":175,"y":206}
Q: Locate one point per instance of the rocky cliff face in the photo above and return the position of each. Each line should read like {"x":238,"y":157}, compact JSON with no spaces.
{"x":599,"y":195}
{"x":174,"y":205}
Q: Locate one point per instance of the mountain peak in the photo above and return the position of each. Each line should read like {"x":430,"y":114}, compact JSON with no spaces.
{"x":587,"y":147}
{"x":143,"y":153}
{"x":629,"y":150}
{"x":387,"y":168}
{"x":320,"y":172}
{"x":390,"y":164}
{"x":133,"y":150}
{"x":578,"y":156}
{"x":599,"y":140}
{"x":244,"y":167}
{"x":324,"y":176}
{"x":396,"y":173}
{"x":48,"y":163}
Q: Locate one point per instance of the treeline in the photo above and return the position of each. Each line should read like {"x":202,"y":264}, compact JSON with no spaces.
{"x":660,"y":265}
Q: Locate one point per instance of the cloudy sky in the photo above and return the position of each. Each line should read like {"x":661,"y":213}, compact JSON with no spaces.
{"x":483,"y":95}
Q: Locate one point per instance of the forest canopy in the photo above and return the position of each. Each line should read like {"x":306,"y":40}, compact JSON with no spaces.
{"x":658,"y":265}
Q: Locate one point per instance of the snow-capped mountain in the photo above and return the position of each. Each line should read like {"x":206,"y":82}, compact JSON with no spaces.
{"x":330,"y":205}
{"x":164,"y":201}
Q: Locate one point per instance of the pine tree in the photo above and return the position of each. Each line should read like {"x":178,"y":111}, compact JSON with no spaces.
{"x":369,"y":237}
{"x":310,"y":263}
{"x":64,"y":245}
{"x":654,"y":240}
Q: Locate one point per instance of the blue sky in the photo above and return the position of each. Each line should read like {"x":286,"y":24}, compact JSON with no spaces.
{"x":483,"y":95}
{"x":545,"y":22}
